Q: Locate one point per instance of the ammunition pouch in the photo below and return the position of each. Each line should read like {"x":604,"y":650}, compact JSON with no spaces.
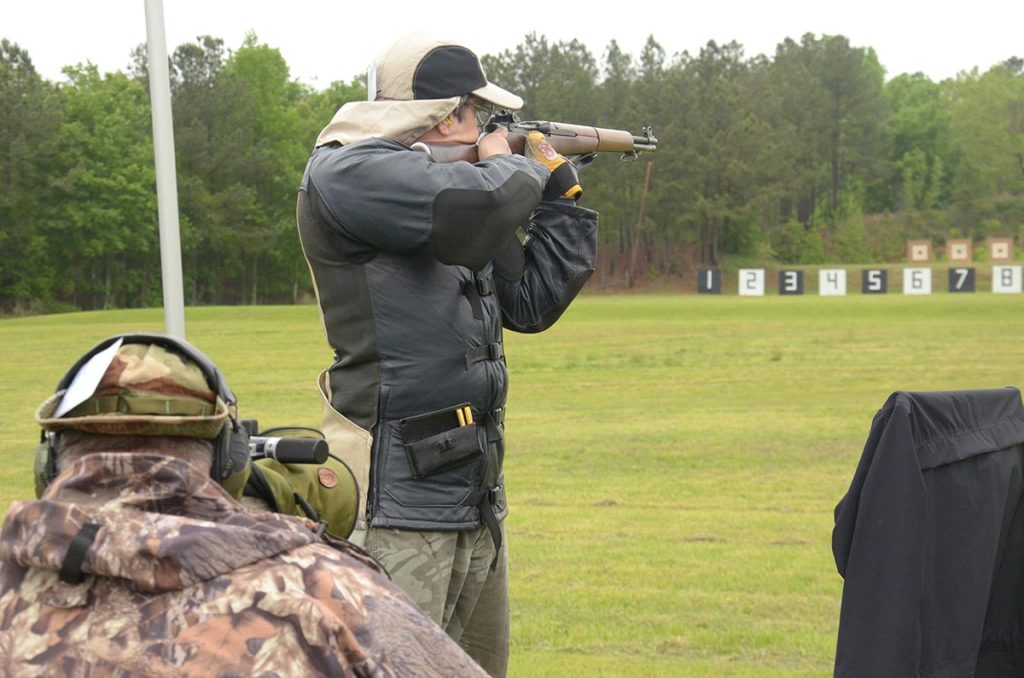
{"x":438,"y":441}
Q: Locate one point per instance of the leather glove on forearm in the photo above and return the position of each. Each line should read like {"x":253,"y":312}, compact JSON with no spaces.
{"x":564,"y":181}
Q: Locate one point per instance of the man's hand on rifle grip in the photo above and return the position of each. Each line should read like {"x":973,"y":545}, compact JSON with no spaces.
{"x":564,"y":181}
{"x":493,"y":143}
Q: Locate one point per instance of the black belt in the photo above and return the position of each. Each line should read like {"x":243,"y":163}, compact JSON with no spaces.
{"x":484,"y":501}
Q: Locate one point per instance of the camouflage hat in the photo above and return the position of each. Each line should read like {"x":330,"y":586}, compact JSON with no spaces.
{"x":146,"y":390}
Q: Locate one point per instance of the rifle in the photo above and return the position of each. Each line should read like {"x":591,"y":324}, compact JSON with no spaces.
{"x":579,"y":143}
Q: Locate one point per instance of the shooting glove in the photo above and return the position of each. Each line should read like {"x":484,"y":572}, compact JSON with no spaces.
{"x":564,"y":181}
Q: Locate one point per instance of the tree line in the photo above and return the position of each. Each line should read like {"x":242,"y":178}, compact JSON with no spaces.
{"x":806,"y":156}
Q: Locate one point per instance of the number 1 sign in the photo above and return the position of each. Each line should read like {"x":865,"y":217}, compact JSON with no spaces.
{"x":709,"y":281}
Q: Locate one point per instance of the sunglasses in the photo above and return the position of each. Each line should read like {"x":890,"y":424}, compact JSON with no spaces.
{"x":485,"y":110}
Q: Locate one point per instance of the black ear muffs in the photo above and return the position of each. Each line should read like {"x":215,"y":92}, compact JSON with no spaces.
{"x":230,"y":465}
{"x":44,"y":468}
{"x":231,"y":458}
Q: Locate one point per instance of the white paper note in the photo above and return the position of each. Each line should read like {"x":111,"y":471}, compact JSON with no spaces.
{"x":88,"y":378}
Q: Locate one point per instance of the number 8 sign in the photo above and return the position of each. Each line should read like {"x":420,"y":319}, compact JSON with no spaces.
{"x":1006,"y":279}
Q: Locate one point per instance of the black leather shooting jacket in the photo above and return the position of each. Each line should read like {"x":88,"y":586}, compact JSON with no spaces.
{"x":417,"y":269}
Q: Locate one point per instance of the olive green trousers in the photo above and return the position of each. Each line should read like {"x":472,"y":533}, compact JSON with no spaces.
{"x":449,"y":575}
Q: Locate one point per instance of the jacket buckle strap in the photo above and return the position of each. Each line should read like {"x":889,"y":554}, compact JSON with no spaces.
{"x":492,"y":351}
{"x":71,"y":567}
{"x":493,"y":421}
{"x":484,"y":500}
{"x":469,"y":289}
{"x":496,"y":351}
{"x":484,"y":285}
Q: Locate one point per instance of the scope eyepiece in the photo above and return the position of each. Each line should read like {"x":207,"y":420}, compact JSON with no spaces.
{"x":289,"y":450}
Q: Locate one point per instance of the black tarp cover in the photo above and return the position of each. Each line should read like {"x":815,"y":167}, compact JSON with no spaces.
{"x":930,"y":540}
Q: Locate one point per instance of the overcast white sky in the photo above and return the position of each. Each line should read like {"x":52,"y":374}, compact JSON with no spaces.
{"x":325,"y":41}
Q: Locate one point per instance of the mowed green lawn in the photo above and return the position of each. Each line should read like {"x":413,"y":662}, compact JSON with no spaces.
{"x":673,"y":461}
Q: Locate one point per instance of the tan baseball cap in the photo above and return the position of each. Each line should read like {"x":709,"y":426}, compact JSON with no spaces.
{"x":419,"y":80}
{"x":419,"y":66}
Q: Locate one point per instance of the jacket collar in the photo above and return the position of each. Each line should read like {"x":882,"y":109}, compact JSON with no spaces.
{"x":164,"y":524}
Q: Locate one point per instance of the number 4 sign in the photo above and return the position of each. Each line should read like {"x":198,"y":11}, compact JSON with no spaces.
{"x":832,"y":282}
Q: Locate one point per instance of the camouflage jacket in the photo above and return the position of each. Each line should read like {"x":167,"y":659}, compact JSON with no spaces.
{"x":181,"y":580}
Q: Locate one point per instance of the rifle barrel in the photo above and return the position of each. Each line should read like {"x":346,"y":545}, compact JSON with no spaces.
{"x":570,"y":139}
{"x":565,"y":138}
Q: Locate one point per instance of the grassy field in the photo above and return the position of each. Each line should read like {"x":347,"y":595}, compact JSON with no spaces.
{"x":673,"y":461}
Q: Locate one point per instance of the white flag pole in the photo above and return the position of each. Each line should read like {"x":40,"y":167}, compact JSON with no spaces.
{"x":166,"y":180}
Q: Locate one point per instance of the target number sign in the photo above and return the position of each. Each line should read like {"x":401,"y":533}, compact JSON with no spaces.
{"x":791,"y":282}
{"x":874,"y":281}
{"x":1006,"y":279}
{"x":917,"y":281}
{"x":709,"y":281}
{"x":961,"y":280}
{"x":751,"y":282}
{"x":832,"y":282}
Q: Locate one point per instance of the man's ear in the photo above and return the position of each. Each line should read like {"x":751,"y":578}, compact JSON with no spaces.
{"x":446,"y":126}
{"x":441,"y":131}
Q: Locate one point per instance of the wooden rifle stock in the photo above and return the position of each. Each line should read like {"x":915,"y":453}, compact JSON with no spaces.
{"x":566,"y":138}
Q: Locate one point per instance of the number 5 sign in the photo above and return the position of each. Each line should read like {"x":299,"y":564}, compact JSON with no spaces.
{"x":874,"y":281}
